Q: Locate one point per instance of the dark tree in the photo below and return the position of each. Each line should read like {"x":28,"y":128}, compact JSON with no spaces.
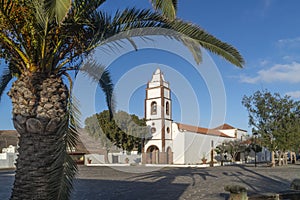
{"x":275,"y":119}
{"x":123,"y":130}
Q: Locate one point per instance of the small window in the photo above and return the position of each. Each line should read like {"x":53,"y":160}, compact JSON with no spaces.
{"x":167,"y":108}
{"x":153,"y":130}
{"x":168,"y":130}
{"x":153,"y":108}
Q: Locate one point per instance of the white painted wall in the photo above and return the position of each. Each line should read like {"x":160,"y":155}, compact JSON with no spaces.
{"x":157,"y":125}
{"x":95,"y":159}
{"x":178,"y":145}
{"x":157,"y":143}
{"x":167,"y":93}
{"x":241,"y":134}
{"x":229,"y":132}
{"x":7,"y":160}
{"x":168,"y":124}
{"x":154,"y":92}
{"x":9,"y":149}
{"x":189,"y":147}
{"x":148,"y":108}
{"x":170,"y":109}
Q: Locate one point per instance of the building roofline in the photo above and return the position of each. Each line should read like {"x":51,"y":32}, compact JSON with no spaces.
{"x":201,"y":130}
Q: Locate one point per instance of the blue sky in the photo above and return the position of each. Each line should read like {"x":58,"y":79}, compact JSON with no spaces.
{"x":266,"y":32}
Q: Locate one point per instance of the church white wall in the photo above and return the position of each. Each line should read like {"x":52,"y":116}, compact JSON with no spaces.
{"x":199,"y":145}
{"x":178,"y":145}
{"x":157,"y":125}
{"x":154,"y":92}
{"x":229,"y":132}
{"x":168,"y":124}
{"x":196,"y":146}
{"x":155,"y":83}
{"x":148,"y":109}
{"x":169,"y":143}
{"x":167,"y":93}
{"x":241,"y":134}
{"x":157,"y":143}
{"x":189,"y":147}
{"x":168,"y":116}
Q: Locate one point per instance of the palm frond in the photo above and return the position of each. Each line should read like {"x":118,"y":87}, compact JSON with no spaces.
{"x":58,"y":9}
{"x":207,"y":41}
{"x":4,"y":80}
{"x":7,"y":75}
{"x":83,"y":9}
{"x":141,"y":23}
{"x":101,"y":76}
{"x":167,"y":7}
{"x":65,"y":168}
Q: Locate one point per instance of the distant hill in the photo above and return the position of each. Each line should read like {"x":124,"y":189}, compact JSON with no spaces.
{"x":86,"y":144}
{"x":93,"y":145}
{"x":8,"y":137}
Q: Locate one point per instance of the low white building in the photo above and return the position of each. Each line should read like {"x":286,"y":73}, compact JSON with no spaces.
{"x":8,"y":157}
{"x":176,"y":143}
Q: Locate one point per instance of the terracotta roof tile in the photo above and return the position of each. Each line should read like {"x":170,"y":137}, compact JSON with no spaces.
{"x":201,"y":130}
{"x":225,"y":126}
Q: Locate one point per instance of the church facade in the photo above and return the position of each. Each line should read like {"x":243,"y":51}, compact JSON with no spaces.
{"x":176,"y":143}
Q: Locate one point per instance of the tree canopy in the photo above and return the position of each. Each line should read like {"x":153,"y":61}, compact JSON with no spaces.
{"x":275,"y":119}
{"x":124,"y":130}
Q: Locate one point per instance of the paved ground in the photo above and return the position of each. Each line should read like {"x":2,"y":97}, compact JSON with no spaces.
{"x":138,"y":182}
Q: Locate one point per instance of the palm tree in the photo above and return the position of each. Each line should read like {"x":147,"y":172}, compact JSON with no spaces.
{"x":42,"y":42}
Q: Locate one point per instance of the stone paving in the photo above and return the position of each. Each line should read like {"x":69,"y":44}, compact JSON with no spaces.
{"x":139,"y":182}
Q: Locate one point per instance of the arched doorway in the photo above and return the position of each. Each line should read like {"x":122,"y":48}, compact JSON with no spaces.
{"x":169,"y":156}
{"x":152,"y":155}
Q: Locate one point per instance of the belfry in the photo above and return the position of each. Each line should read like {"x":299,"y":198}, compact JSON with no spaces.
{"x":158,"y":115}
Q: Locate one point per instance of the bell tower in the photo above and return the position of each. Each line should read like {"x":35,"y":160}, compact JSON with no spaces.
{"x":158,"y":115}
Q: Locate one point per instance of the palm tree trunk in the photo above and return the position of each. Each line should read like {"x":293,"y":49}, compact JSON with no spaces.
{"x":39,"y":109}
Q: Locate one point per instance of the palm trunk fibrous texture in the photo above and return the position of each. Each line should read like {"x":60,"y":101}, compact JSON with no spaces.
{"x":39,"y":114}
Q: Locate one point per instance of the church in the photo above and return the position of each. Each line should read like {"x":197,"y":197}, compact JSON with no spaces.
{"x":176,"y":143}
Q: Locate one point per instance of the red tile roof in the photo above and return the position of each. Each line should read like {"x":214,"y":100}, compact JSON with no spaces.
{"x":225,"y":126}
{"x":201,"y":130}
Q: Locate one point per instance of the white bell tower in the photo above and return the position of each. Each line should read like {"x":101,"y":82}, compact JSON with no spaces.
{"x":158,"y":115}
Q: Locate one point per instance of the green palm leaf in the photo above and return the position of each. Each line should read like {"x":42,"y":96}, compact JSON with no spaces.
{"x":66,"y":174}
{"x":142,"y":23}
{"x":58,"y":8}
{"x":4,"y":80}
{"x":167,"y":7}
{"x":100,"y":75}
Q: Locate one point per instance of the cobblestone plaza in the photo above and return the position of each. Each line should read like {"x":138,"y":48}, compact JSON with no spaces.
{"x":139,"y":182}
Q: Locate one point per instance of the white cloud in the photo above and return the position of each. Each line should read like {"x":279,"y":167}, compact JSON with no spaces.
{"x":294,"y":94}
{"x":289,"y":42}
{"x":279,"y":72}
{"x":264,"y":62}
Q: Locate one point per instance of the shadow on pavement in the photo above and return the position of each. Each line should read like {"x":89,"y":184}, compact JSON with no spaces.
{"x":166,"y":183}
{"x":113,"y":189}
{"x":258,"y":182}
